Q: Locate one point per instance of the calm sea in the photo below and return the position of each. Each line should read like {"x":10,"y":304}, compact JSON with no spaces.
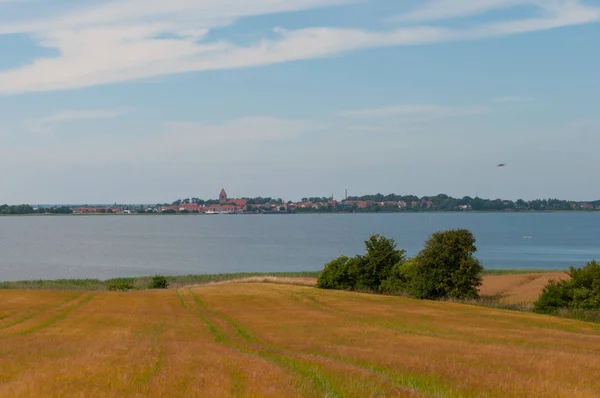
{"x":110,"y":246}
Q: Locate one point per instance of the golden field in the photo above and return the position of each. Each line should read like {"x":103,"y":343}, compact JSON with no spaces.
{"x":266,"y":339}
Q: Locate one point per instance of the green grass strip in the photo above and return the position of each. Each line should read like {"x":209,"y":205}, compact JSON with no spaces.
{"x":58,"y":317}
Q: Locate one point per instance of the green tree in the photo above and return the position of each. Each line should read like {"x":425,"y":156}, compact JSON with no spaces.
{"x":400,"y":278}
{"x":446,"y":267}
{"x":159,"y":282}
{"x":340,"y":274}
{"x":580,"y":292}
{"x":375,"y":266}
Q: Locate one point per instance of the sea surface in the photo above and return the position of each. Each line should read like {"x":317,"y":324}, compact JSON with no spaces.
{"x":53,"y":247}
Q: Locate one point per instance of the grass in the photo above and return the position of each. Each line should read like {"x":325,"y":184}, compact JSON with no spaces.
{"x":143,"y":282}
{"x":257,"y":339}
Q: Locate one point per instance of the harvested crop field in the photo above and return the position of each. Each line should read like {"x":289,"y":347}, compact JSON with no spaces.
{"x":524,"y":288}
{"x":257,"y":339}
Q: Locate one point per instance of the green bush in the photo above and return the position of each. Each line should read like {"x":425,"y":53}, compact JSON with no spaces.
{"x":159,"y":282}
{"x":399,"y":280}
{"x":446,"y":267}
{"x":365,"y":272}
{"x":119,"y":285}
{"x":341,"y":274}
{"x":375,"y":266}
{"x":580,"y":293}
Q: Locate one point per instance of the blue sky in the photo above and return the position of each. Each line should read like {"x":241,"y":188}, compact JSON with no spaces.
{"x":147,"y":100}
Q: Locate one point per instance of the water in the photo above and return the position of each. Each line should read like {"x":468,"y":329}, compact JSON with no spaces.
{"x":110,"y":246}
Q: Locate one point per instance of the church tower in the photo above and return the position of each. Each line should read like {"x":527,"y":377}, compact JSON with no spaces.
{"x":223,"y":197}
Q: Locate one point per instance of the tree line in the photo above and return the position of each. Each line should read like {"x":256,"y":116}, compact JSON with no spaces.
{"x":446,"y":268}
{"x":444,"y":202}
{"x":27,"y":209}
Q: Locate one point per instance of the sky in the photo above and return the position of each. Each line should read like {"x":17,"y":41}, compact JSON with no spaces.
{"x":146,"y":101}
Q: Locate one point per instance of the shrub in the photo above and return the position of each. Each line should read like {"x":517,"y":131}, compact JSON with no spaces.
{"x":400,"y":278}
{"x":363,"y":272}
{"x":341,"y":273}
{"x":159,"y":282}
{"x":119,"y":285}
{"x":375,"y":266}
{"x":446,"y":267}
{"x":580,"y":293}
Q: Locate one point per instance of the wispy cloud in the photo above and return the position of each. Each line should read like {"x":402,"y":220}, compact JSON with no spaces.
{"x":513,"y":99}
{"x":87,"y":114}
{"x":414,"y":110}
{"x":48,"y":123}
{"x":245,"y":130}
{"x":435,"y":10}
{"x":134,"y":39}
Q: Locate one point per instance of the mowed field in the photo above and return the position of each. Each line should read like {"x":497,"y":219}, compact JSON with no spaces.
{"x":265,"y":339}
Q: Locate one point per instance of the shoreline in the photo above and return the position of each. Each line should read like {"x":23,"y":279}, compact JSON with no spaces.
{"x":143,"y":282}
{"x":302,"y":213}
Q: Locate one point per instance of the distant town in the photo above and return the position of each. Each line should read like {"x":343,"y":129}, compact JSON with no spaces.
{"x":391,"y":203}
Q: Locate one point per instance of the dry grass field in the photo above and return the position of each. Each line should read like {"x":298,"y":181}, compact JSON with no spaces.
{"x":267,"y":339}
{"x":519,"y":287}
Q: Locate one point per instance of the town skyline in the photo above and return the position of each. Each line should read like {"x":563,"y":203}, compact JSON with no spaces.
{"x":366,"y":203}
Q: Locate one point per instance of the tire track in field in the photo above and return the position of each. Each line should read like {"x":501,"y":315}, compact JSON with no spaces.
{"x":416,"y":331}
{"x":60,"y":316}
{"x":244,"y":342}
{"x":316,"y":361}
{"x":157,"y":364}
{"x":39,"y":312}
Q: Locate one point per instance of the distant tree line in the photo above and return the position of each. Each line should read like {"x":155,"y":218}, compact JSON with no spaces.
{"x":444,"y":202}
{"x":27,"y":209}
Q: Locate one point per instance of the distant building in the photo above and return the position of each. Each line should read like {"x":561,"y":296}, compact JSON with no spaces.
{"x":237,"y":202}
{"x":361,"y":204}
{"x":223,"y":197}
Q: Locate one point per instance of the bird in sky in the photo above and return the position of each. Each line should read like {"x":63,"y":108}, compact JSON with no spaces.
{"x":501,"y":164}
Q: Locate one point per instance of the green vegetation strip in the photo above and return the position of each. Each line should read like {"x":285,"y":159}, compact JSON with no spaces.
{"x":33,"y":314}
{"x":144,"y":282}
{"x":213,"y":329}
{"x":58,"y":317}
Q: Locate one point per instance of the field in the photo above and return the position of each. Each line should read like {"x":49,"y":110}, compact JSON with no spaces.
{"x":268,"y":339}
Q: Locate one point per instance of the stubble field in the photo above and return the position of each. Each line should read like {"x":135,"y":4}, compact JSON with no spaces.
{"x":265,"y":339}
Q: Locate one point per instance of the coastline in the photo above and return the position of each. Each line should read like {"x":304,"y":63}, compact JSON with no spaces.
{"x":304,"y":213}
{"x":143,"y":282}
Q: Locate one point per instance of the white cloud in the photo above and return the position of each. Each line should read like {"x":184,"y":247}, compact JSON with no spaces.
{"x":134,"y":39}
{"x":433,"y":10}
{"x":179,"y":13}
{"x":414,"y":110}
